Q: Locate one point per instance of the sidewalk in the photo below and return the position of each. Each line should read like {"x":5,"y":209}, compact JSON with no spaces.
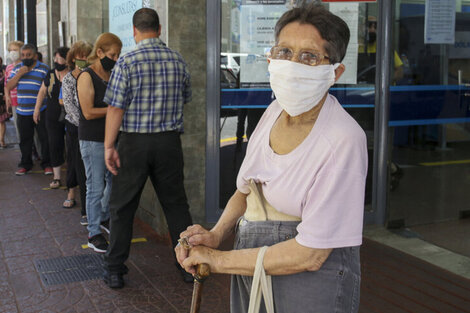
{"x":34,"y":229}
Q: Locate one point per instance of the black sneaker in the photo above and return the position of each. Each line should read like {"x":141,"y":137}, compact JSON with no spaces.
{"x":98,"y":243}
{"x":105,"y":226}
{"x":84,"y":220}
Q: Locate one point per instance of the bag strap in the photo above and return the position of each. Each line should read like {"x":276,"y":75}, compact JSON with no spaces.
{"x":262,"y":285}
{"x":259,"y":196}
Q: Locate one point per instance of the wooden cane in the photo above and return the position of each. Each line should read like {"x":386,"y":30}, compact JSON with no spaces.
{"x":202,"y":272}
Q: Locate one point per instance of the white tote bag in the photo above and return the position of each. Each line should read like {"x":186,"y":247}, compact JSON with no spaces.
{"x":261,"y":286}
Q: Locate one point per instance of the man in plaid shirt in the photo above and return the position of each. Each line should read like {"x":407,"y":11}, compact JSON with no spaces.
{"x":146,"y":93}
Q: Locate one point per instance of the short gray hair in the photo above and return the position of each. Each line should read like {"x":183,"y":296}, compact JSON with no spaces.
{"x":331,"y":28}
{"x":30,"y":46}
{"x":145,"y":20}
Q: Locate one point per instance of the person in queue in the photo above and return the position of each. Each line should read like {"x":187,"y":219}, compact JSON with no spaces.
{"x":91,"y":87}
{"x":4,"y":114}
{"x":50,"y":89}
{"x":146,"y":95}
{"x":76,"y":61}
{"x":300,"y":189}
{"x":28,"y":76}
{"x":11,"y":99}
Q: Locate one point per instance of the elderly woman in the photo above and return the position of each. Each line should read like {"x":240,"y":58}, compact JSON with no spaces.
{"x":300,"y":190}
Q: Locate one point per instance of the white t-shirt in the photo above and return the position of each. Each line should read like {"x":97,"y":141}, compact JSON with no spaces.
{"x":322,"y":180}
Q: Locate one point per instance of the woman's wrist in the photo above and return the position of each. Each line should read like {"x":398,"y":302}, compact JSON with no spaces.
{"x":218,"y":234}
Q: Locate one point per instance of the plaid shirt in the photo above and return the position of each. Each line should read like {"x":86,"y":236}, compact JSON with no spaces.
{"x":151,"y":84}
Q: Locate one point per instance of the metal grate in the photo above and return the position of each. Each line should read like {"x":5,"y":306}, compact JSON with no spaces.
{"x":70,"y":269}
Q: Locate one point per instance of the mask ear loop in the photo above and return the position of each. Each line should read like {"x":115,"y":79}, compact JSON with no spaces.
{"x":336,"y":65}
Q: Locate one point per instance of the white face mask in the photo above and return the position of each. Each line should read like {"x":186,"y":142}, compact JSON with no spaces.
{"x":299,"y":87}
{"x":13,"y":56}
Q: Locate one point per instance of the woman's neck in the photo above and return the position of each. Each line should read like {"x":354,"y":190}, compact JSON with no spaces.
{"x":99,"y":70}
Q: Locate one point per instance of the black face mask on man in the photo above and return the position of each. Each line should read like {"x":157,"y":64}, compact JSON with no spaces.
{"x":28,"y":62}
{"x":107,"y":63}
{"x":59,"y":67}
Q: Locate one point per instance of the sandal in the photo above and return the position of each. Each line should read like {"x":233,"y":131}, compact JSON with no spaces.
{"x":55,"y":184}
{"x":69,"y":203}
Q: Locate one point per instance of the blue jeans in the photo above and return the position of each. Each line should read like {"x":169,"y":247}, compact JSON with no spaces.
{"x":98,"y":184}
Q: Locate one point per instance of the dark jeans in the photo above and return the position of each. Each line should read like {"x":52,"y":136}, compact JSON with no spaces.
{"x":26,"y":127}
{"x":55,"y":134}
{"x":75,"y":169}
{"x":159,"y":156}
{"x":335,"y":287}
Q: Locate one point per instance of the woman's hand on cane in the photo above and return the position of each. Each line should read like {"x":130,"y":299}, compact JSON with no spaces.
{"x":196,"y":235}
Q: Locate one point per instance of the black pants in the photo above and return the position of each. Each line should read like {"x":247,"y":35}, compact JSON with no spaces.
{"x":75,"y":169}
{"x":159,"y":156}
{"x":55,"y":135}
{"x":26,"y":127}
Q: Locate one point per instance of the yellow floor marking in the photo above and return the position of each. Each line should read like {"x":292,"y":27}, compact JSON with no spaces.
{"x":445,"y":163}
{"x":135,"y":240}
{"x":48,"y":188}
{"x":231,"y":139}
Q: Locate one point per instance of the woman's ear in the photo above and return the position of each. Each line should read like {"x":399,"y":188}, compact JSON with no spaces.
{"x":99,"y":53}
{"x":339,"y":71}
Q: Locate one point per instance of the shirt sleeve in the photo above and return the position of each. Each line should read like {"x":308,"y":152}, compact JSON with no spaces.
{"x":187,"y":93}
{"x":396,"y":59}
{"x":332,"y":216}
{"x":118,"y":90}
{"x":13,"y":72}
{"x":47,"y":79}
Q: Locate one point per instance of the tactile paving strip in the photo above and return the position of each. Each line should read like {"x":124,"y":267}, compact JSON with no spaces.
{"x":70,"y":269}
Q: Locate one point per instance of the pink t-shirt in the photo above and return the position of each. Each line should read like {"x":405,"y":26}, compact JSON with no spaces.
{"x":322,"y":180}
{"x":13,"y":93}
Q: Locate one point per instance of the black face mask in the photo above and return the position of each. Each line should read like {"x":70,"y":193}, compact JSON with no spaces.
{"x":28,"y":62}
{"x":59,"y":67}
{"x":107,"y":63}
{"x":372,"y":37}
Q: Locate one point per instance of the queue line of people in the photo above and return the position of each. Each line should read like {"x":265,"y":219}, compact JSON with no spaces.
{"x":72,"y":100}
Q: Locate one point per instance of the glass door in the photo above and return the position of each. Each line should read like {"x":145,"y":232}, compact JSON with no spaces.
{"x":430,"y":114}
{"x":247,"y":34}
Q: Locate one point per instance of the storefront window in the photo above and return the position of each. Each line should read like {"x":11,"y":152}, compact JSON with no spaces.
{"x":430,"y":114}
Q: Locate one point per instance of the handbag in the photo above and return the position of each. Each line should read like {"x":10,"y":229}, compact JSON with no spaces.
{"x":261,"y":286}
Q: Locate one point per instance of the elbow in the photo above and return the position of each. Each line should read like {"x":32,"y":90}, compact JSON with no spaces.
{"x":316,"y":260}
{"x":314,"y":266}
{"x":87,"y":115}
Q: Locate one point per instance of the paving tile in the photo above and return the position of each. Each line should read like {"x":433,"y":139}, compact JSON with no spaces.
{"x":15,"y":232}
{"x":32,"y":246}
{"x":25,"y":285}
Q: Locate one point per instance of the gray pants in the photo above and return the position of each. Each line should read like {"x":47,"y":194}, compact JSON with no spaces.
{"x":334,"y":288}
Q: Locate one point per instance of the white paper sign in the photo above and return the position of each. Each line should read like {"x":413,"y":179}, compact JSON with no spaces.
{"x":439,"y":22}
{"x":120,"y":21}
{"x":349,"y":12}
{"x":257,"y":24}
{"x":461,"y":48}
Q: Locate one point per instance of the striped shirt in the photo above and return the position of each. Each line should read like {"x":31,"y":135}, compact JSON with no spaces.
{"x":28,"y":87}
{"x":151,"y":84}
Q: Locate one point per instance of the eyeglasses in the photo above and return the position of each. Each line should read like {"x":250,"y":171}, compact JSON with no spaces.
{"x":311,"y":58}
